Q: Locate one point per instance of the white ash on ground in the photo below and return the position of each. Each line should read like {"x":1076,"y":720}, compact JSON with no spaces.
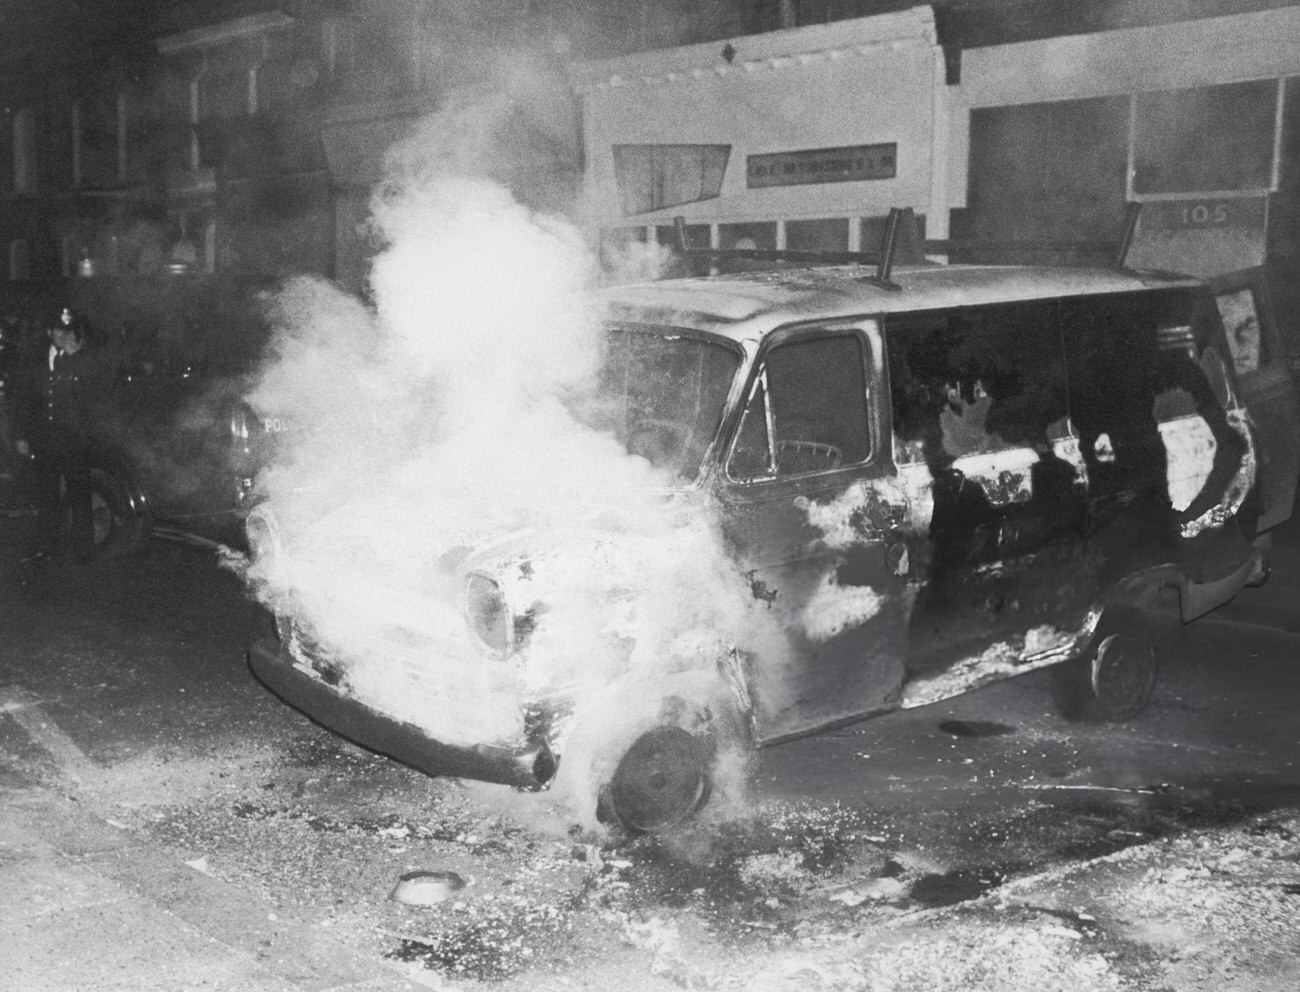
{"x":799,"y":897}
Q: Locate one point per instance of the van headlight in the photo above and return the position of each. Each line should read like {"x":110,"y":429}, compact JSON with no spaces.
{"x":488,"y":615}
{"x":239,"y":418}
{"x":262,"y":533}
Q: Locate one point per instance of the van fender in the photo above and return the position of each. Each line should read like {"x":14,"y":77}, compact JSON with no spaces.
{"x":1113,"y":678}
{"x":1149,"y":590}
{"x":1153,"y":589}
{"x":1199,"y":598}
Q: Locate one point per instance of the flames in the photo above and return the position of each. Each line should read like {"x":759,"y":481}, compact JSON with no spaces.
{"x":434,"y":434}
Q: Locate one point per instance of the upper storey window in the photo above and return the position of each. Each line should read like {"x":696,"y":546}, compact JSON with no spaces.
{"x":1210,"y":139}
{"x":651,"y":177}
{"x":24,"y":151}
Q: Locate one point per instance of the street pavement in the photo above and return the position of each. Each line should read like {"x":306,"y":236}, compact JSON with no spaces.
{"x":86,"y":903}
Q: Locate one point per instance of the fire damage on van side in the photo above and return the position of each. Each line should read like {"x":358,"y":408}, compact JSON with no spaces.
{"x":923,"y":480}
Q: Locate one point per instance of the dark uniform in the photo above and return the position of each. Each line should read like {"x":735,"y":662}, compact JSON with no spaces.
{"x":58,"y":407}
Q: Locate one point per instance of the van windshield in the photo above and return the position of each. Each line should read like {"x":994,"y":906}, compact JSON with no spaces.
{"x":662,"y":394}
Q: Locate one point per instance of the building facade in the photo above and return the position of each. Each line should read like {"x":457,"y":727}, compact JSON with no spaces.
{"x":801,"y":138}
{"x":1021,"y":151}
{"x":243,"y":139}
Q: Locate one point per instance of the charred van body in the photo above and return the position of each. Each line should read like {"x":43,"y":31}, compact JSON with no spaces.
{"x":929,"y":482}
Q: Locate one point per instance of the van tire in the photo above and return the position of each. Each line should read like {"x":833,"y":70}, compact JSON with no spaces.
{"x":121,"y":525}
{"x":1114,"y":683}
{"x":691,"y":770}
{"x":659,"y":783}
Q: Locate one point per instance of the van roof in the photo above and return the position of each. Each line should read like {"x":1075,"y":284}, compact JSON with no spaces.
{"x":747,"y":305}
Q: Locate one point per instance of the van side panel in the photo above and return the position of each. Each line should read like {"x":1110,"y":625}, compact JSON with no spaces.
{"x":980,"y":403}
{"x":1072,"y":446}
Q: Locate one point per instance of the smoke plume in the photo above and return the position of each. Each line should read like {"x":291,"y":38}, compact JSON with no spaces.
{"x":438,"y":424}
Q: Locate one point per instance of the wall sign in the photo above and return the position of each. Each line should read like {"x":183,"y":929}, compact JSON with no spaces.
{"x":854,"y":163}
{"x":1205,"y":236}
{"x":1178,"y":215}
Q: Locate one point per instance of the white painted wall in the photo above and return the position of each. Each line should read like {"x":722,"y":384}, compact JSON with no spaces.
{"x":866,"y":81}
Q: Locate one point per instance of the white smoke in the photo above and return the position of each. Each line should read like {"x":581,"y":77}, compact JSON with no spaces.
{"x":440,"y":420}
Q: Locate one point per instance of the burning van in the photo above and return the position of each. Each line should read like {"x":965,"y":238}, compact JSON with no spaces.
{"x":864,"y":489}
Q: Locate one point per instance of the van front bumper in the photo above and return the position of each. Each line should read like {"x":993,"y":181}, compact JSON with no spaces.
{"x":529,"y":767}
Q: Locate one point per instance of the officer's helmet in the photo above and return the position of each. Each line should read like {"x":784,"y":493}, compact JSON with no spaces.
{"x":66,"y":319}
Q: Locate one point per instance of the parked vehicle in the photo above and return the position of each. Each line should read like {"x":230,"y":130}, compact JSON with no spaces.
{"x":931,"y":478}
{"x":174,"y":442}
{"x":178,"y":450}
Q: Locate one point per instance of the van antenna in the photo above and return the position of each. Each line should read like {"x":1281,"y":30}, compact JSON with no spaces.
{"x":1131,"y":214}
{"x":888,"y":246}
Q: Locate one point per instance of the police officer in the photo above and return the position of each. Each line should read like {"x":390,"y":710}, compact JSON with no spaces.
{"x":57,"y":414}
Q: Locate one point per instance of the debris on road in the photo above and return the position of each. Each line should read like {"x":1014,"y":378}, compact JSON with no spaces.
{"x":426,"y":888}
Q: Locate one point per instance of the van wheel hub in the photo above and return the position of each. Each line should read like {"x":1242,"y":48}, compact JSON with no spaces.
{"x":660,"y":781}
{"x":1123,"y":675}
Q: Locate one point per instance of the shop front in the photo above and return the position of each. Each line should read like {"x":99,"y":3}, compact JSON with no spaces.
{"x":799,"y":139}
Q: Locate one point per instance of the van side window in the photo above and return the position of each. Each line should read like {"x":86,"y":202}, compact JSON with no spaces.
{"x":1135,"y":365}
{"x":807,"y":412}
{"x":976,"y":380}
{"x":1239,"y":310}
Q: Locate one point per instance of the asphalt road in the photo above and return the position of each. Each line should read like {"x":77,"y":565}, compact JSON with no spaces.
{"x":126,"y":693}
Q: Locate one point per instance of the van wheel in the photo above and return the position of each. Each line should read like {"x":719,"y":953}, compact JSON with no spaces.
{"x":118,"y":526}
{"x":660,"y":781}
{"x":1116,"y":683}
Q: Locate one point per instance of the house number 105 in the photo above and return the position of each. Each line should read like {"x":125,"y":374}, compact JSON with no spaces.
{"x":1201,"y":214}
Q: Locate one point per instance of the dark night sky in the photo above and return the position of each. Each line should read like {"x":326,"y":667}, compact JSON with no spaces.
{"x":36,"y":34}
{"x":56,"y":30}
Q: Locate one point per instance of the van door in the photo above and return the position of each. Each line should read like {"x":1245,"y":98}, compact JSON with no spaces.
{"x":1166,"y":449}
{"x":1266,"y":388}
{"x":820,"y":528}
{"x":979,"y":408}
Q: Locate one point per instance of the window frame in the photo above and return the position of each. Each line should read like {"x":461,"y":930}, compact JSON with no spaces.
{"x":1253,"y":281}
{"x":616,"y":323}
{"x":903,"y":448}
{"x":1136,"y":196}
{"x":866,"y":332}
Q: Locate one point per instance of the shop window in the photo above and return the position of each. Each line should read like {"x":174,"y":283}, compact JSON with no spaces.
{"x":652,"y":177}
{"x":761,"y":236}
{"x":697,"y":236}
{"x":1208,"y":139}
{"x":817,"y":235}
{"x":1047,"y":180}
